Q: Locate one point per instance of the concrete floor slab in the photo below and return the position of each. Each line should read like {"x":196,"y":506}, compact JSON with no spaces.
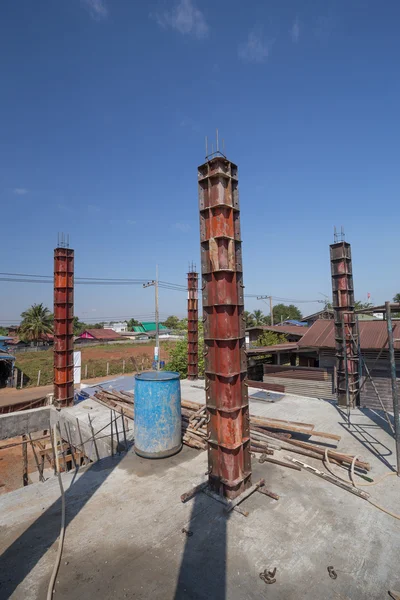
{"x":124,"y":536}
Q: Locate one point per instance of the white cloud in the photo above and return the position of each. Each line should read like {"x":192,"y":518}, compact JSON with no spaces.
{"x":97,"y":9}
{"x":185,"y":17}
{"x":20,"y":191}
{"x":130,"y":222}
{"x":295,"y":31}
{"x":184,"y":227}
{"x":255,"y":50}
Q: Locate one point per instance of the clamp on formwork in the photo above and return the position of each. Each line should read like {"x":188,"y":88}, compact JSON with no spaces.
{"x":63,"y":326}
{"x":224,"y":329}
{"x":193,"y":326}
{"x":346,"y":330}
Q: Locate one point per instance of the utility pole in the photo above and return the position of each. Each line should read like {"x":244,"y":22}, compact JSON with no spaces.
{"x":271,"y":310}
{"x":154,"y":283}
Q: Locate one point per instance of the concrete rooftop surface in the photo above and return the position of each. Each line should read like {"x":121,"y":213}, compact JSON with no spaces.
{"x":124,"y":516}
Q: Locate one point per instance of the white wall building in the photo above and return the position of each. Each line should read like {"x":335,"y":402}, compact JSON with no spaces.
{"x":117,"y":327}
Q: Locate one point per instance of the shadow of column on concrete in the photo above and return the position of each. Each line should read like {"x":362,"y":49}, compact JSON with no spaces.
{"x":26,"y":551}
{"x":202,"y":574}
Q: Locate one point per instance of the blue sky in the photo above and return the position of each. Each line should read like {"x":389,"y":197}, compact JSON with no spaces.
{"x":105,"y":105}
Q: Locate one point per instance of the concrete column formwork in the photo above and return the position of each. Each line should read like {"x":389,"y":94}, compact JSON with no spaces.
{"x":63,"y":326}
{"x":224,"y":328}
{"x":193,"y":326}
{"x":346,"y":331}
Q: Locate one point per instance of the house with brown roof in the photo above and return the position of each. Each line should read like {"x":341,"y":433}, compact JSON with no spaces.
{"x":319,"y":343}
{"x":99,"y":335}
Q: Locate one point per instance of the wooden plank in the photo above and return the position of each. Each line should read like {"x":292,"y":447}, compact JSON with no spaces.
{"x":294,"y":429}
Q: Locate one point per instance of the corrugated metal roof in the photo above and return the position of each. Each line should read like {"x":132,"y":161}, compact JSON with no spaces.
{"x":373,"y":335}
{"x":5,"y":356}
{"x":274,"y":348}
{"x":316,"y":315}
{"x":284,"y":329}
{"x":145,"y":327}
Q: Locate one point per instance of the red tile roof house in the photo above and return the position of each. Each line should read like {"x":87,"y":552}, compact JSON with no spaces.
{"x":100,"y":335}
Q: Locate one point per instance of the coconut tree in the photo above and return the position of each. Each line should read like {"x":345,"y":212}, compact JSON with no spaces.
{"x":258,"y":317}
{"x":36,"y":322}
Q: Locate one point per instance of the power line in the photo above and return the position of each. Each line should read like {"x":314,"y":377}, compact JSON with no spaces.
{"x":167,"y":285}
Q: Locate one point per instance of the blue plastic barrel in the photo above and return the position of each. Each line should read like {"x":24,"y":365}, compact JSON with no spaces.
{"x":158,"y":429}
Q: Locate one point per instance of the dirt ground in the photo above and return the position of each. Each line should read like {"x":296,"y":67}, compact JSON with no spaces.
{"x":11,"y":465}
{"x":115,"y":352}
{"x":97,"y":361}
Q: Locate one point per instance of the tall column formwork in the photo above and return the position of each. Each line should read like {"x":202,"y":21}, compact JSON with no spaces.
{"x":63,"y":326}
{"x":346,"y":331}
{"x":193,"y":326}
{"x":224,"y":328}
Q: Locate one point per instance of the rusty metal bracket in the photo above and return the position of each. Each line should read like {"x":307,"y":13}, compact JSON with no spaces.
{"x":187,"y":531}
{"x":332,"y":573}
{"x":268,"y":576}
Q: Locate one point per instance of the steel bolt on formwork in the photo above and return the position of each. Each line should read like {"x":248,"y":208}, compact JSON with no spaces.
{"x":224,"y":329}
{"x":63,"y":326}
{"x":346,"y":331}
{"x":193,"y":326}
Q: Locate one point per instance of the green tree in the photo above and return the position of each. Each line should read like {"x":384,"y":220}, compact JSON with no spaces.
{"x":358,"y":305}
{"x":258,"y":317}
{"x":36,"y":322}
{"x":182,"y":325}
{"x":3,"y":331}
{"x":79,"y":326}
{"x":249,"y":319}
{"x":270,"y":338}
{"x":396,"y":298}
{"x":132,"y":323}
{"x":282,"y":312}
{"x":172,"y":322}
{"x":178,"y":357}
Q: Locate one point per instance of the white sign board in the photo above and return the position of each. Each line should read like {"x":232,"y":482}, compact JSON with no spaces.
{"x":77,"y":366}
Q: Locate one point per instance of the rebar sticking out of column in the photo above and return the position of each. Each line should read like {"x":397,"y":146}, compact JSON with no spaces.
{"x":63,"y":326}
{"x":346,"y":331}
{"x":224,"y":328}
{"x":193,"y":325}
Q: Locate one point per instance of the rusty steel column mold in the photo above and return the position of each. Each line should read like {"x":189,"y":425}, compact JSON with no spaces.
{"x":346,"y":334}
{"x":224,"y":328}
{"x":193,"y":326}
{"x":64,"y":326}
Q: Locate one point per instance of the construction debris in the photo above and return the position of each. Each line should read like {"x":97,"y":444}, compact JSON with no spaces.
{"x":329,"y":477}
{"x":267,"y":434}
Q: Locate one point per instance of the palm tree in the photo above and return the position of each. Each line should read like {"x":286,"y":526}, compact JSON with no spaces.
{"x":36,"y":322}
{"x":258,"y":317}
{"x":248,"y":317}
